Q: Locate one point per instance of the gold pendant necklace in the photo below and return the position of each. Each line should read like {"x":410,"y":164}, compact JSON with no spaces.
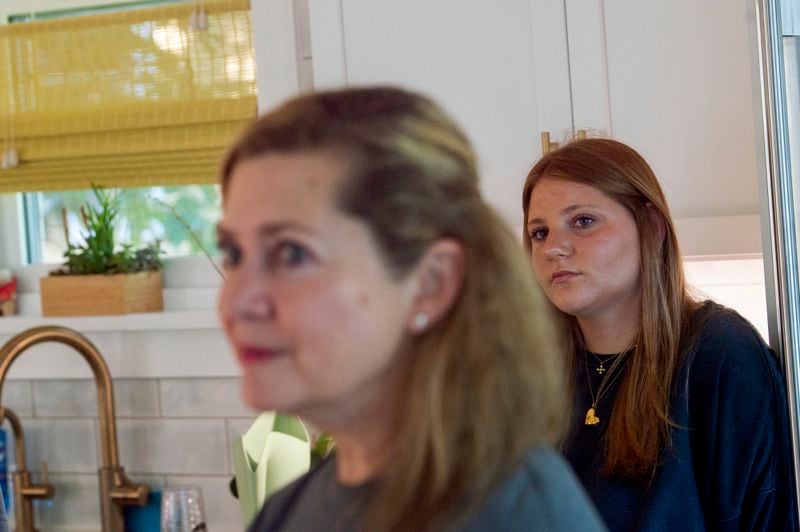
{"x":591,"y":415}
{"x":591,"y":418}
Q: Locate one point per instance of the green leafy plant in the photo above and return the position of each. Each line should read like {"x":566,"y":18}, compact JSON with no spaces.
{"x":98,"y":253}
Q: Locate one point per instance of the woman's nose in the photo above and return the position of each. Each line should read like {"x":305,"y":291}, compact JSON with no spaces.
{"x":255,"y":304}
{"x":247,"y":298}
{"x":558,"y":245}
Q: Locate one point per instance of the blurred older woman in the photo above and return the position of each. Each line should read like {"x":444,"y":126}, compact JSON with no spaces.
{"x":370,"y":290}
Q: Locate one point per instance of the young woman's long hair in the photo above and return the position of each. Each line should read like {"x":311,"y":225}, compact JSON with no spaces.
{"x":485,"y":384}
{"x":640,"y":423}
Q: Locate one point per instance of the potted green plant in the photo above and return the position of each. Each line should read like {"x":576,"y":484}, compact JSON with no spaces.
{"x":98,"y":276}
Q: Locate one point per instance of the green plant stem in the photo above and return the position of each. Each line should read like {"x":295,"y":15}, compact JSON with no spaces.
{"x":66,"y":225}
{"x":191,"y":234}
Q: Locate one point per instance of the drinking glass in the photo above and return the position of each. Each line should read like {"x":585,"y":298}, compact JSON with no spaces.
{"x":182,"y":509}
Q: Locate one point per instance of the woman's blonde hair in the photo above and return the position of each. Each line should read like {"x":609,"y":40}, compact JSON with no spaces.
{"x":484,"y":384}
{"x":640,"y":423}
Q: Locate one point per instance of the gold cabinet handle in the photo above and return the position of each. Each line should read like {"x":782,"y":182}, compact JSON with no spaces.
{"x":548,"y":146}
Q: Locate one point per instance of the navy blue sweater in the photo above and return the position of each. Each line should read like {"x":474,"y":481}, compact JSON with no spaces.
{"x":729,"y":467}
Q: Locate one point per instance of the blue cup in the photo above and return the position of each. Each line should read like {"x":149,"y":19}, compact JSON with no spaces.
{"x":145,"y":518}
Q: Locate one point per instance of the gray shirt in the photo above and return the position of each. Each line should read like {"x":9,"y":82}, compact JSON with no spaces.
{"x":542,"y":494}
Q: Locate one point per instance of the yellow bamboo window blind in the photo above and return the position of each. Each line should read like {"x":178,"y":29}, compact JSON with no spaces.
{"x":141,"y":97}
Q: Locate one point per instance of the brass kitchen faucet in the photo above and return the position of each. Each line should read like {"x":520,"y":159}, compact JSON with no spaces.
{"x":24,"y":489}
{"x":116,"y":490}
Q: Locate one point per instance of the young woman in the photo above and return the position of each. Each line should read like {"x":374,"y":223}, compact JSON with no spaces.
{"x":680,"y":418}
{"x":370,"y":290}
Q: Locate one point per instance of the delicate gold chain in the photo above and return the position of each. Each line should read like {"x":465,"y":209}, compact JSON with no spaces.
{"x":591,"y":414}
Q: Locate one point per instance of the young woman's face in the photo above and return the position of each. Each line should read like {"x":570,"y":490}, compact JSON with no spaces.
{"x":584,"y":250}
{"x":313,"y":314}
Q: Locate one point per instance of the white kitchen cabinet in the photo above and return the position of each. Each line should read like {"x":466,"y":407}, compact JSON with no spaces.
{"x":500,"y":68}
{"x":671,"y":78}
{"x":674,"y":80}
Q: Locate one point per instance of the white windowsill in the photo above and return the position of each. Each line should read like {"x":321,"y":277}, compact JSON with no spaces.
{"x":184,"y":340}
{"x":190,"y":287}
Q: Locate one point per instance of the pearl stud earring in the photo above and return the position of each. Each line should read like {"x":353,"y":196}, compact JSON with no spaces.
{"x":420,"y":321}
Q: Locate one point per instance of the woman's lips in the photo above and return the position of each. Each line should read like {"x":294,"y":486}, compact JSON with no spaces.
{"x":253,"y":354}
{"x":562,"y":277}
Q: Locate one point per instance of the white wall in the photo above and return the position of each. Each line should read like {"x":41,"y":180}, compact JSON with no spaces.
{"x":735,"y":281}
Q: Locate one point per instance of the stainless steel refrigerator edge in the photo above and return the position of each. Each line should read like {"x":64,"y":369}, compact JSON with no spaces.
{"x":775,"y":25}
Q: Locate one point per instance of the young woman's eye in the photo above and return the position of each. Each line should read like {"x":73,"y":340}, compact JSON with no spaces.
{"x":583,"y":221}
{"x":539,"y":234}
{"x":290,"y":254}
{"x":231,"y":255}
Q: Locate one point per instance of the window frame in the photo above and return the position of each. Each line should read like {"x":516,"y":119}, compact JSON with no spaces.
{"x":12,"y":231}
{"x":180,"y":274}
{"x":186,"y":280}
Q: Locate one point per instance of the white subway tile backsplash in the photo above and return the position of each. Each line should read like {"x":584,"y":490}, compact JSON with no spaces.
{"x":173,"y":446}
{"x":55,"y":360}
{"x":164,"y":353}
{"x":74,"y":506}
{"x":65,"y":398}
{"x":170,"y":431}
{"x":51,"y":360}
{"x":202,"y":398}
{"x":68,"y":445}
{"x":222,"y":509}
{"x":18,"y":396}
{"x":136,"y":398}
{"x":78,"y":398}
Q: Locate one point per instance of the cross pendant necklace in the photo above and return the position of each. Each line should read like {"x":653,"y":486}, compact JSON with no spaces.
{"x":601,"y":368}
{"x":607,"y":380}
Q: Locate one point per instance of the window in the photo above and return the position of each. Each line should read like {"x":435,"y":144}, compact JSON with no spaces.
{"x":183,"y":218}
{"x":215,"y":67}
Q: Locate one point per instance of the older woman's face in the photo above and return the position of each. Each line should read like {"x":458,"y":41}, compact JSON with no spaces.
{"x":313,"y":314}
{"x":584,"y":250}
